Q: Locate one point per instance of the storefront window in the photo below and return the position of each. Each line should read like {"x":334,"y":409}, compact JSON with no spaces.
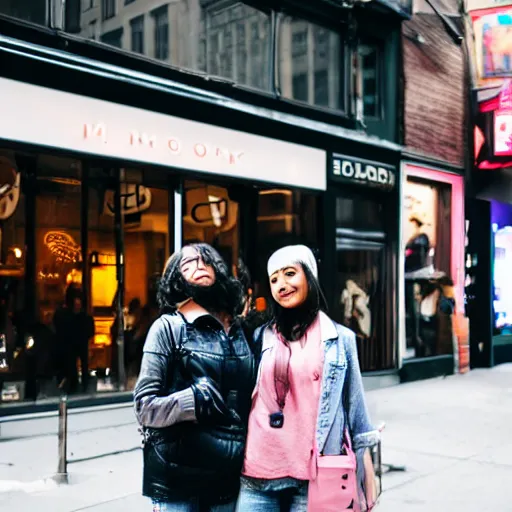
{"x":501,"y":215}
{"x":284,"y":217}
{"x":145,"y":248}
{"x":364,"y":281}
{"x":230,"y":40}
{"x":13,"y":353}
{"x":59,"y":241}
{"x":429,"y":287}
{"x":58,"y":266}
{"x":310,"y":62}
{"x":212,"y":216}
{"x":35,"y":11}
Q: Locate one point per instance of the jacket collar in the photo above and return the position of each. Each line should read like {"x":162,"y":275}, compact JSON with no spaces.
{"x":191,"y":311}
{"x":328,"y":329}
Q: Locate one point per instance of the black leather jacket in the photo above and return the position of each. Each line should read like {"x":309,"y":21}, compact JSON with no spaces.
{"x":183,"y":458}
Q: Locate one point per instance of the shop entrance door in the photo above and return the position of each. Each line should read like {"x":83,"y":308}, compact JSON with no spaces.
{"x":365,"y":279}
{"x":129,"y":238}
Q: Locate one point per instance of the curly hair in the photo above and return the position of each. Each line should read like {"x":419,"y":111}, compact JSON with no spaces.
{"x":292,"y":324}
{"x":225,"y":295}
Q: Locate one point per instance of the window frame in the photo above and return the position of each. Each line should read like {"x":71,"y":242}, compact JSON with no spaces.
{"x":156,"y":14}
{"x":344,"y":110}
{"x":134,"y":22}
{"x":379,"y":68}
{"x":108,"y":9}
{"x":218,"y":6}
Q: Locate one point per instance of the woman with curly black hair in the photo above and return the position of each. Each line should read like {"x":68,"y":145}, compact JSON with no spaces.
{"x":193,"y":393}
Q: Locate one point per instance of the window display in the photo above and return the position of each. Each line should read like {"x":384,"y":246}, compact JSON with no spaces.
{"x":429,"y":289}
{"x":364,"y":280}
{"x":501,"y":216}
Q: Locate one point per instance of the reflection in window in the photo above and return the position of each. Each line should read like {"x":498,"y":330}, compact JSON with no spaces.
{"x":284,"y":217}
{"x":27,"y":10}
{"x":113,"y":38}
{"x":12,"y":271}
{"x":231,"y":40}
{"x":238,"y":40}
{"x":369,"y":55}
{"x":211,"y":216}
{"x":137,"y":29}
{"x":108,"y":9}
{"x":161,"y":20}
{"x":310,"y":63}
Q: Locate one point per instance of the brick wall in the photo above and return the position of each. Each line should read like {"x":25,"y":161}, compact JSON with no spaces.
{"x":434,"y":95}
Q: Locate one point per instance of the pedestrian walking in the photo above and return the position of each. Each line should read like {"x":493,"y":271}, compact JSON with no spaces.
{"x":308,"y":404}
{"x":193,"y":394}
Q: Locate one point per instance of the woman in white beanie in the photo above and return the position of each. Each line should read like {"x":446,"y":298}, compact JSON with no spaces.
{"x":308,"y":394}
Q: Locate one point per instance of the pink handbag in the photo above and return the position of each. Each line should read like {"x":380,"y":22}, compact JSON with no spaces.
{"x":335,"y":487}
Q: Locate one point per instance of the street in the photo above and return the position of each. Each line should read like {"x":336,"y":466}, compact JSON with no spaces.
{"x":451,"y":434}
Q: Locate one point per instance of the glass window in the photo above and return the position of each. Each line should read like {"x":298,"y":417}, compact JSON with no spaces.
{"x":364,"y":281}
{"x":137,"y":33}
{"x":58,"y":268}
{"x":429,"y":294}
{"x":113,"y":38}
{"x":359,"y":213}
{"x":34,"y":11}
{"x":284,"y":217}
{"x":108,"y":9}
{"x":237,"y":44}
{"x":228,"y":39}
{"x":212,"y":216}
{"x":310,"y":63}
{"x":13,"y":354}
{"x":161,"y":20}
{"x":369,"y":58}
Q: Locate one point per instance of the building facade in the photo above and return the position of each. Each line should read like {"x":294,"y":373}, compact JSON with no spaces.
{"x":137,"y":126}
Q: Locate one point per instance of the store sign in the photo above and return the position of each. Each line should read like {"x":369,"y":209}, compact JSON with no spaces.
{"x":363,"y":172}
{"x":87,"y":125}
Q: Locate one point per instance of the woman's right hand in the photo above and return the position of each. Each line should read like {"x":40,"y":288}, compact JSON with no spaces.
{"x":210,"y":406}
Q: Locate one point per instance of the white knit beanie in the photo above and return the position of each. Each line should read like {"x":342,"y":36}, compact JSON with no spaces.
{"x":291,"y":255}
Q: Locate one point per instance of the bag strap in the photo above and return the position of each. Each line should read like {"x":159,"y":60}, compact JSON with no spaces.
{"x":346,"y":440}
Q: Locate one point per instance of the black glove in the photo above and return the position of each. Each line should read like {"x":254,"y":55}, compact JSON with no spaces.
{"x":210,"y":406}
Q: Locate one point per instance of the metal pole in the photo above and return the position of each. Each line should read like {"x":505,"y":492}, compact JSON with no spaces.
{"x":62,"y":470}
{"x":119,"y":235}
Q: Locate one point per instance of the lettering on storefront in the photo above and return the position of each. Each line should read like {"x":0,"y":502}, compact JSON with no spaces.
{"x":363,"y":172}
{"x":173,"y":145}
{"x":97,"y":131}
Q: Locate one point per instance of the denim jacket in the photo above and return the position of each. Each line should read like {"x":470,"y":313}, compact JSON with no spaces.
{"x":342,"y":403}
{"x":342,"y":400}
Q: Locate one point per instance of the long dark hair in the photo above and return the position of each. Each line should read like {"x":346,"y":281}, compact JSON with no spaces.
{"x":292,"y":324}
{"x":224,"y":296}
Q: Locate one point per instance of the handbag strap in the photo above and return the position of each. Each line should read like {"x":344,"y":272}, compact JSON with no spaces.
{"x":346,"y":440}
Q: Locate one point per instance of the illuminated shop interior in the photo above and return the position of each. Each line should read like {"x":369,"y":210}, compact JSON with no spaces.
{"x":58,"y":228}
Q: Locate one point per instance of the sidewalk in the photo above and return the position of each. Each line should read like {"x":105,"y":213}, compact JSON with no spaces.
{"x":452,"y":435}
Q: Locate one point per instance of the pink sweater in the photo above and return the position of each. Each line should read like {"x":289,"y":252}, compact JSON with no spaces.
{"x":287,"y":451}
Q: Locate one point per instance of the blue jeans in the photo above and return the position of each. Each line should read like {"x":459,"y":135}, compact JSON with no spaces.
{"x":193,"y":505}
{"x":289,"y":500}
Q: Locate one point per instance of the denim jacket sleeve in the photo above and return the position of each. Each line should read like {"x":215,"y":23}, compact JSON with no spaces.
{"x":362,"y":431}
{"x":154,"y":406}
